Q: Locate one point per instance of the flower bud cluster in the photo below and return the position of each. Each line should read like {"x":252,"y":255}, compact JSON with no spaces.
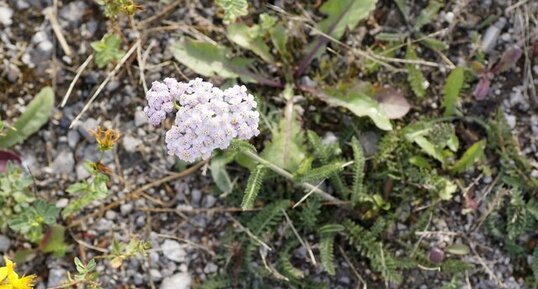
{"x":208,"y":117}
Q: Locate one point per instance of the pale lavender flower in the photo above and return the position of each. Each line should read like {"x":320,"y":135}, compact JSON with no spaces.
{"x":208,"y":118}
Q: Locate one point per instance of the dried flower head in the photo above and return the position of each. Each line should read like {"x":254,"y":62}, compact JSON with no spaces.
{"x":208,"y":117}
{"x":9,"y":279}
{"x":106,"y":138}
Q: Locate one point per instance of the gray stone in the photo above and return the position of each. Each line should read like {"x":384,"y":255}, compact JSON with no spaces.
{"x":130,"y":143}
{"x":73,"y":12}
{"x":155,"y":274}
{"x":64,"y":163}
{"x":85,"y":127}
{"x":173,"y":251}
{"x":196,"y":196}
{"x":5,"y":243}
{"x":57,"y":276}
{"x":140,"y":118}
{"x":210,"y":268}
{"x":127,"y":208}
{"x":73,"y":137}
{"x":13,"y":73}
{"x":177,"y":281}
{"x":209,"y":201}
{"x":82,"y":173}
{"x":111,"y":215}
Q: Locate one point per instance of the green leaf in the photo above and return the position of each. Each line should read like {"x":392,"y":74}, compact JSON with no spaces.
{"x":320,"y":173}
{"x":107,"y":50}
{"x":360,"y":104}
{"x":53,"y":242}
{"x":458,"y":249}
{"x":233,"y":9}
{"x":254,"y":185}
{"x":279,"y":37}
{"x":245,"y":37}
{"x":326,"y":246}
{"x":451,"y":90}
{"x":471,"y":155}
{"x":416,"y":79}
{"x":35,"y":115}
{"x":219,"y":173}
{"x":427,"y":15}
{"x":357,"y":192}
{"x":446,"y":188}
{"x":212,"y":60}
{"x":287,"y":148}
{"x":341,"y":15}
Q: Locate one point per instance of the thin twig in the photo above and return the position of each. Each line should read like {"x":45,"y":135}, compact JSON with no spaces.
{"x":105,"y":82}
{"x":53,"y":19}
{"x":75,"y":79}
{"x":303,"y":242}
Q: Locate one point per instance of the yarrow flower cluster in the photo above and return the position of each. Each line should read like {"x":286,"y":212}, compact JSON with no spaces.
{"x":207,"y":118}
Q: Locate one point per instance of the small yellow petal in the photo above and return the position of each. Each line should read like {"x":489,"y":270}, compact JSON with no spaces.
{"x":13,"y":277}
{"x":3,"y":273}
{"x":6,"y":286}
{"x":26,"y":282}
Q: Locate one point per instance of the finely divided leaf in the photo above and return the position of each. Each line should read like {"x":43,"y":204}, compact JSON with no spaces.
{"x":416,"y":79}
{"x":254,"y":185}
{"x":452,"y":89}
{"x":427,"y":15}
{"x":357,"y":192}
{"x":320,"y":173}
{"x":35,"y":115}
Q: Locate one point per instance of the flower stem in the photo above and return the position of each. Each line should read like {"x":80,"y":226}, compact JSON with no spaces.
{"x":289,"y":176}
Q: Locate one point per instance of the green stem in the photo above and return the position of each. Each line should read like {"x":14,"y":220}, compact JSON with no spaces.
{"x":289,"y":176}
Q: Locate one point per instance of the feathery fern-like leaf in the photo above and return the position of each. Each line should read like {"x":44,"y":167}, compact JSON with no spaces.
{"x":416,"y":79}
{"x":321,"y":173}
{"x":268,"y":217}
{"x":326,"y":246}
{"x":253,"y":187}
{"x":309,"y":213}
{"x":357,"y":193}
{"x":287,"y":267}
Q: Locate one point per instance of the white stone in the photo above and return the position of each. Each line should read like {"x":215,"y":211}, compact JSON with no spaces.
{"x":5,"y":15}
{"x":130,"y":143}
{"x":173,"y":251}
{"x":177,"y":281}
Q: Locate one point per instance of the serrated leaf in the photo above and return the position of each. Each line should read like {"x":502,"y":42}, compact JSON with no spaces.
{"x":219,"y":173}
{"x":35,"y":115}
{"x":212,"y":60}
{"x":245,"y":37}
{"x":471,"y":155}
{"x":427,"y":15}
{"x":233,"y":9}
{"x":107,"y":50}
{"x":451,"y":90}
{"x":446,"y":189}
{"x":416,"y":79}
{"x":360,"y":104}
{"x":253,"y":187}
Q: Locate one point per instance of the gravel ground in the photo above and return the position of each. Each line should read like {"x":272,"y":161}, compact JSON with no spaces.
{"x":184,"y":245}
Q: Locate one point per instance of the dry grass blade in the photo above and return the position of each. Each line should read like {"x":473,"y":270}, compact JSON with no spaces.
{"x":75,"y":79}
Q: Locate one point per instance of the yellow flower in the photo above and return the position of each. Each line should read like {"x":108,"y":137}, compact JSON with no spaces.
{"x":106,"y":139}
{"x":9,"y":279}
